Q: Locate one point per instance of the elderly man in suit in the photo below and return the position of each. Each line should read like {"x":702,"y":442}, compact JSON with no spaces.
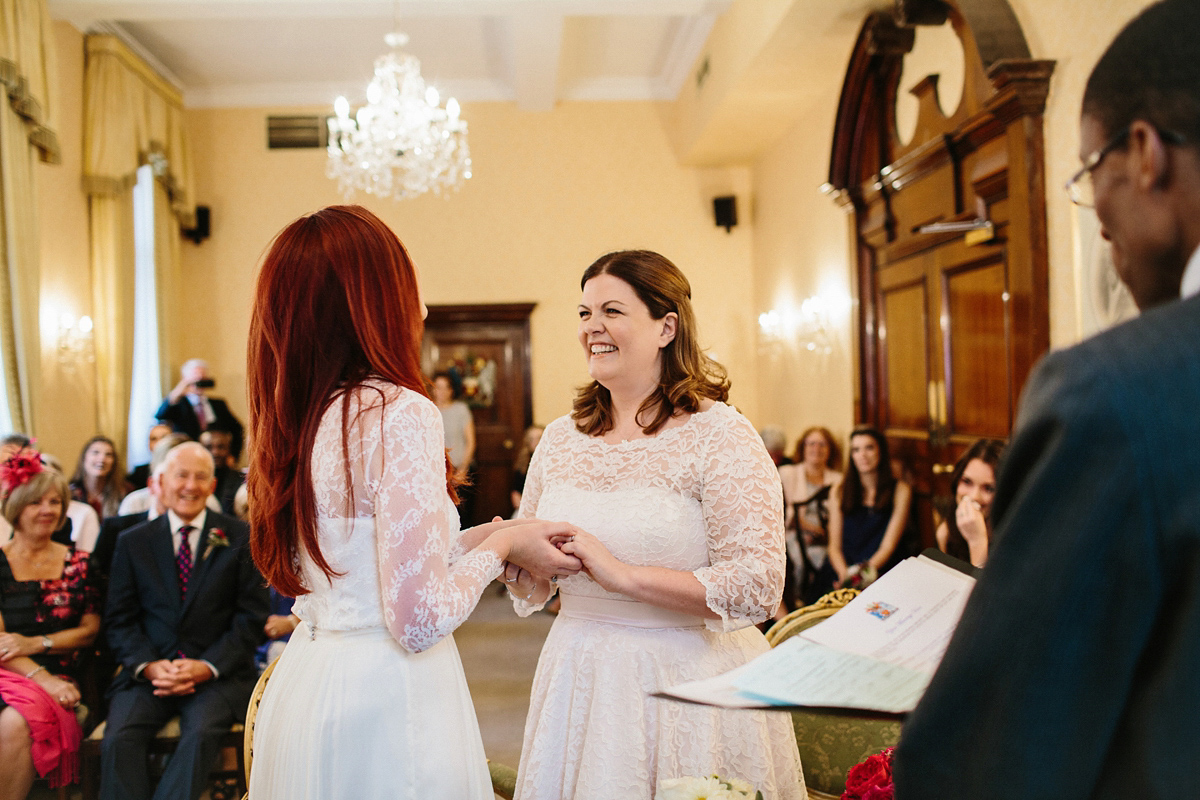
{"x":186,"y":609}
{"x":188,"y":408}
{"x":1073,"y":671}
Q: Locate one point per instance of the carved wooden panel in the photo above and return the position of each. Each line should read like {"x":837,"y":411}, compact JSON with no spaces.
{"x":951,"y":321}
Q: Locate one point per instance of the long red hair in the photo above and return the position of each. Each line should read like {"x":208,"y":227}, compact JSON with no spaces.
{"x":336,"y":303}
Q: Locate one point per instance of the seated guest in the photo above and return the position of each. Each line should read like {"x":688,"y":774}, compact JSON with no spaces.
{"x":84,"y":524}
{"x":138,"y":475}
{"x":775,"y":441}
{"x":98,"y":479}
{"x":529,"y":443}
{"x":869,"y":513}
{"x":219,"y":443}
{"x":967,"y":532}
{"x":806,"y":489}
{"x":188,"y":408}
{"x":186,"y":610}
{"x":13,"y":443}
{"x":49,"y":612}
{"x":140,"y":501}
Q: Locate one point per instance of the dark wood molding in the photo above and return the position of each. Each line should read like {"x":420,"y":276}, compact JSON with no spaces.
{"x":494,"y":312}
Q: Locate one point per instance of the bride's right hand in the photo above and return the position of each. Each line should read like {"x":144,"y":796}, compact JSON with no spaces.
{"x":534,"y":546}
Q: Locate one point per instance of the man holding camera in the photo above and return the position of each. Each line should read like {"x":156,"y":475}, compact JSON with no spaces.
{"x":188,"y":409}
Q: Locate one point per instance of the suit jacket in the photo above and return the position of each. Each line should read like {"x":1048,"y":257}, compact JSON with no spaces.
{"x":221,"y":619}
{"x":182,"y":417}
{"x":1072,"y":673}
{"x":106,"y":544}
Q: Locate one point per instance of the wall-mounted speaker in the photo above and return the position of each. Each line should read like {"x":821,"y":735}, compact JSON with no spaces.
{"x":203,"y":225}
{"x":725,"y":212}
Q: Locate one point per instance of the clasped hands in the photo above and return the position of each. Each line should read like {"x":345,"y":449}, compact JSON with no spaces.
{"x":176,"y":678}
{"x":585,"y":550}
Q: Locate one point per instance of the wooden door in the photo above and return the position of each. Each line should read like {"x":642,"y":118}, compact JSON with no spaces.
{"x":951,"y":321}
{"x":488,"y":347}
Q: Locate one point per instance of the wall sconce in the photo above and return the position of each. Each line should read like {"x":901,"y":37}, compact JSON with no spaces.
{"x":807,"y":329}
{"x":74,"y":343}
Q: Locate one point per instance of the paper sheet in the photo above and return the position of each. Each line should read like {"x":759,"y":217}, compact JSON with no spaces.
{"x":800,"y":672}
{"x":878,"y":653}
{"x":906,"y":618}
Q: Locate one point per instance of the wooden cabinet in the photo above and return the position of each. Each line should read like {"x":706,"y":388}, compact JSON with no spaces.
{"x":951,"y":321}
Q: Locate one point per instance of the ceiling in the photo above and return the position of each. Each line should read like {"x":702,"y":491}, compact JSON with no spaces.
{"x":253,"y":53}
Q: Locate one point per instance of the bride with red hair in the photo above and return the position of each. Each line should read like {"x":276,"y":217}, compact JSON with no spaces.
{"x":352,"y":513}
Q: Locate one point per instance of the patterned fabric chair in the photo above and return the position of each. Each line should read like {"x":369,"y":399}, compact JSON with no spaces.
{"x":831,"y":742}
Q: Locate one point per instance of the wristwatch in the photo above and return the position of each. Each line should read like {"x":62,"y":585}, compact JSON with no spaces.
{"x":47,"y":643}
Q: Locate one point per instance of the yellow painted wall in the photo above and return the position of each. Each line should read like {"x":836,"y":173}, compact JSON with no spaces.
{"x":66,"y":399}
{"x":551,"y":191}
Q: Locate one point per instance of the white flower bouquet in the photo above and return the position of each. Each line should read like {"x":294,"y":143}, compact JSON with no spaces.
{"x":712,"y":787}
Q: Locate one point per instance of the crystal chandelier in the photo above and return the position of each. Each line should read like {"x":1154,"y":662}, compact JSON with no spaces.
{"x":402,"y":143}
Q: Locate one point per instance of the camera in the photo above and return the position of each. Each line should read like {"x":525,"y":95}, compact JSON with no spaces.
{"x":205,"y":383}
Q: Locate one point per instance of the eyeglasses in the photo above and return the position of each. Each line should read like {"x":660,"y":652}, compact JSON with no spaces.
{"x":1081,"y":189}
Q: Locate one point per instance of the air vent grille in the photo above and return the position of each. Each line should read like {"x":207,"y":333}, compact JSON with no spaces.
{"x":297,"y":131}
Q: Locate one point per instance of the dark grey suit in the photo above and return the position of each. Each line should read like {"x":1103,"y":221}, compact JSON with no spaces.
{"x":220,"y":621}
{"x":1073,"y":671}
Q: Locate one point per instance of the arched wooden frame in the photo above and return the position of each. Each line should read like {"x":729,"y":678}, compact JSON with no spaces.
{"x":985,"y":161}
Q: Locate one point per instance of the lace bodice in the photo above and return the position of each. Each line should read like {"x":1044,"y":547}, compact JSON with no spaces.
{"x":703,"y":497}
{"x":392,"y":531}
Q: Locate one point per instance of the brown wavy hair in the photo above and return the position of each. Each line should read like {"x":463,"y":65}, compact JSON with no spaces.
{"x":112,"y":485}
{"x":688,"y":375}
{"x":336,"y":304}
{"x":833,"y":460}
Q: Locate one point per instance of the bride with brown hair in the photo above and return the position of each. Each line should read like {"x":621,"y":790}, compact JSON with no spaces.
{"x":683,"y":554}
{"x":352,"y":512}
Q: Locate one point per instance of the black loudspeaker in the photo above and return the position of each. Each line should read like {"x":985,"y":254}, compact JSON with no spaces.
{"x":203,"y":225}
{"x":725,"y":212}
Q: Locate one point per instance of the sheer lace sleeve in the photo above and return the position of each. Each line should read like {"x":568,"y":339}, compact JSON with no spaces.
{"x":424,"y":597}
{"x":743,"y":513}
{"x":529,"y":502}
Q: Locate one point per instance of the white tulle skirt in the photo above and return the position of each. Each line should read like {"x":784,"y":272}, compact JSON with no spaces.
{"x":354,"y":715}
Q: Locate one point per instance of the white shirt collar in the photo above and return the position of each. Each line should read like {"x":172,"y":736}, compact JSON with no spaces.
{"x":1191,"y":276}
{"x":177,"y":523}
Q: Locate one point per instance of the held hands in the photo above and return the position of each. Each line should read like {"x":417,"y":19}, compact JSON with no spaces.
{"x":540,"y":548}
{"x":279,"y":625}
{"x":601,"y":565}
{"x":178,"y":677}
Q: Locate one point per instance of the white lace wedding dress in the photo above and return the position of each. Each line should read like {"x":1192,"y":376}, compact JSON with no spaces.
{"x":368,"y":699}
{"x":702,"y":497}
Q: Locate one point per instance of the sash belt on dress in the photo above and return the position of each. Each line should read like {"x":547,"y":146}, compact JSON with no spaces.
{"x":625,"y":612}
{"x":316,"y":631}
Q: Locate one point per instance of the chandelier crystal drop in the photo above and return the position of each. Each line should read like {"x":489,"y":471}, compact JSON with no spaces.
{"x":402,"y":143}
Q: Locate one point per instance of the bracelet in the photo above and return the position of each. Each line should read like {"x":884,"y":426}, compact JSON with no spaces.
{"x":32,"y":672}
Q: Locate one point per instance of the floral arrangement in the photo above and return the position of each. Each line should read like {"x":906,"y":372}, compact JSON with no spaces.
{"x":712,"y":787}
{"x":19,"y":468}
{"x":216,"y":538}
{"x":872,"y":779}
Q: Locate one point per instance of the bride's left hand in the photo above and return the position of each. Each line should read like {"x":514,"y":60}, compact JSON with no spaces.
{"x":603,"y":567}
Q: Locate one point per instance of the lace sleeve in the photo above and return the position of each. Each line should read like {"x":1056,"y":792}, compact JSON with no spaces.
{"x":743,"y":512}
{"x":424,"y":597}
{"x":529,"y":503}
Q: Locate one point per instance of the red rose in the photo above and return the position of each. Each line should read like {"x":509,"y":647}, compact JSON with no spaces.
{"x":875,"y":772}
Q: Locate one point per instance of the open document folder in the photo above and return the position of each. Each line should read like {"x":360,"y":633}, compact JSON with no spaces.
{"x":876,"y":654}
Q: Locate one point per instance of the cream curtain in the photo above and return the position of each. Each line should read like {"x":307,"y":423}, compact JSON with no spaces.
{"x":131,"y":117}
{"x":28,"y":75}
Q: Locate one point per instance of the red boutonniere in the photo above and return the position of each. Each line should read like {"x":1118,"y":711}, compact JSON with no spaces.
{"x":216,"y":538}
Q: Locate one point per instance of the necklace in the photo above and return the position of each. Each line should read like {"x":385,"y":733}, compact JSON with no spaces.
{"x":29,"y":560}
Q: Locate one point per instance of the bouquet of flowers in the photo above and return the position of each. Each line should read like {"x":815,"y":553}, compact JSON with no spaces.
{"x":712,"y":787}
{"x":872,"y":779}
